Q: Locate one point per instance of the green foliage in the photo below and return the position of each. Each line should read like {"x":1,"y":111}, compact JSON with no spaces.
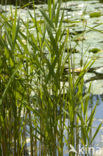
{"x":95,"y":14}
{"x":34,"y":92}
{"x":94,"y":50}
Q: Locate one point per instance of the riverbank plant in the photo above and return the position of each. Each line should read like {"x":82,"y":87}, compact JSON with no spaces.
{"x":43,"y":103}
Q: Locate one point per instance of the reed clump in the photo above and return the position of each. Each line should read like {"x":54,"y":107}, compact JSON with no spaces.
{"x":37,"y":102}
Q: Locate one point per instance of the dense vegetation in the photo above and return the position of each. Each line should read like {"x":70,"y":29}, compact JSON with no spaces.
{"x":21,"y":2}
{"x":41,"y":97}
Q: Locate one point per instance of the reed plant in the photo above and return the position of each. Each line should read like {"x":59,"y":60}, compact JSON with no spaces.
{"x":41,"y":97}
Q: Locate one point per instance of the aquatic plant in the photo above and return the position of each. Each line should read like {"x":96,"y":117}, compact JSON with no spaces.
{"x":95,"y":14}
{"x":37,"y":96}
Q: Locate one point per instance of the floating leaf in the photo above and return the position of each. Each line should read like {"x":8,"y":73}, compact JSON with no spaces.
{"x":94,"y":50}
{"x":95,"y":14}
